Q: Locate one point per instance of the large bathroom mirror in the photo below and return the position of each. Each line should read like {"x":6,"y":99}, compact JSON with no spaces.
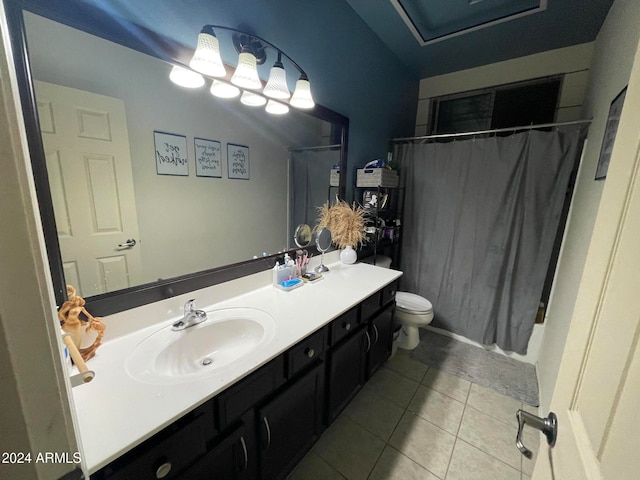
{"x":127,"y":219}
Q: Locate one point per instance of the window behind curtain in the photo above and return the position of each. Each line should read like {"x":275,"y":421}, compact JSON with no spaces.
{"x":526,"y":103}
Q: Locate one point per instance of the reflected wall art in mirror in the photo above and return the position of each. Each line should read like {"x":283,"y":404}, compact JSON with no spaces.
{"x":100,"y":111}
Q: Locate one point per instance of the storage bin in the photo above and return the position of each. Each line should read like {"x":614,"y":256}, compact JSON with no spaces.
{"x":376,"y":177}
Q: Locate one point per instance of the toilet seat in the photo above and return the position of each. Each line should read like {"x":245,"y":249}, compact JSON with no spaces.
{"x":413,"y":304}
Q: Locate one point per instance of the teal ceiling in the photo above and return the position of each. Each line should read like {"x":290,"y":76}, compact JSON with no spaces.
{"x":433,"y":37}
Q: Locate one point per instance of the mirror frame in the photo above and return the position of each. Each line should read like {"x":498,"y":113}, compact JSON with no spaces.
{"x":93,"y":20}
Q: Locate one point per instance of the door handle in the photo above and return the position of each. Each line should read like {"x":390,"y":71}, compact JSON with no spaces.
{"x":128,"y":244}
{"x":548,"y":426}
{"x":246,"y":456}
{"x":266,"y":424}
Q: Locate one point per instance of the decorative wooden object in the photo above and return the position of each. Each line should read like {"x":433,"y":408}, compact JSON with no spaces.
{"x":71,"y":322}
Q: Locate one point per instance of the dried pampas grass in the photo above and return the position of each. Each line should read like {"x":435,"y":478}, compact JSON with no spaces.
{"x":345,"y":222}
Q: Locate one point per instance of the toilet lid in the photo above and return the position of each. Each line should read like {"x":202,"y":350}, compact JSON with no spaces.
{"x":410,"y":302}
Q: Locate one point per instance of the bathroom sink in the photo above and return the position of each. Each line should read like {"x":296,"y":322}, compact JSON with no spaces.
{"x":227,"y":336}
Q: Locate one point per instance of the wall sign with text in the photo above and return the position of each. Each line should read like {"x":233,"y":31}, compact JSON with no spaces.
{"x":238,"y":161}
{"x":208,"y":158}
{"x":615,"y":110}
{"x":171,"y":154}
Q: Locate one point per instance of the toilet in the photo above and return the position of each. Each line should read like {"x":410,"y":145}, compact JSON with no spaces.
{"x":412,"y":311}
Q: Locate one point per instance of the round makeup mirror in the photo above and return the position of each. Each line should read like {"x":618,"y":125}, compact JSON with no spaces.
{"x":323,"y":242}
{"x":302,"y":235}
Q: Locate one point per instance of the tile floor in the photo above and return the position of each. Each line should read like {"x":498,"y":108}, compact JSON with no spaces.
{"x":415,"y":422}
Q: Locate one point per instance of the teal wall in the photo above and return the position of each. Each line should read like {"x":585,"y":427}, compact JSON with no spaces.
{"x":351,"y":70}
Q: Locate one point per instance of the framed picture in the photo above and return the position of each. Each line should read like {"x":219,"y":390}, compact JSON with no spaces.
{"x":171,"y":154}
{"x":610,"y":134}
{"x":238,"y":161}
{"x":208,"y":158}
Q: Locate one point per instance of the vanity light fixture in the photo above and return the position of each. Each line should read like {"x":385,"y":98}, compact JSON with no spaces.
{"x":252,"y":51}
{"x":206,"y":58}
{"x":276,"y":86}
{"x":276,"y":108}
{"x":185,"y":77}
{"x":252,"y":99}
{"x":246,"y":74}
{"x":224,"y":90}
{"x":302,"y":95}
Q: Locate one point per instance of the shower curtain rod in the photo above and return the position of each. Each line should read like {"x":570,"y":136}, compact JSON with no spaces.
{"x":321,"y":147}
{"x":496,"y":130}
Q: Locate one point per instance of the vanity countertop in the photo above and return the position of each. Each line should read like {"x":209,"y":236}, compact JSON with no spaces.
{"x":115,"y":412}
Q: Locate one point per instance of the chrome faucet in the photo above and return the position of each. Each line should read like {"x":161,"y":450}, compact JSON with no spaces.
{"x":191,"y":316}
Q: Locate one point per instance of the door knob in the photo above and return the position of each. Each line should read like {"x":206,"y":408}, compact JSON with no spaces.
{"x":548,"y":426}
{"x":128,"y":244}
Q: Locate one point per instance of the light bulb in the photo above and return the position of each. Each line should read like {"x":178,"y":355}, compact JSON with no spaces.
{"x":276,"y":108}
{"x":252,"y":100}
{"x":302,"y":95}
{"x":224,"y":90}
{"x":185,"y":77}
{"x":246,"y":74}
{"x":206,"y":58}
{"x":276,"y":86}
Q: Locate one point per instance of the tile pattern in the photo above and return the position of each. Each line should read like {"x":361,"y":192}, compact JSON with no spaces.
{"x":414,"y":422}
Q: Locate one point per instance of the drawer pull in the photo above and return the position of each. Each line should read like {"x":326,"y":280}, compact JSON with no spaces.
{"x":310,"y":352}
{"x":163,"y":470}
{"x":266,"y":424}
{"x":246,"y":456}
{"x":347,"y":326}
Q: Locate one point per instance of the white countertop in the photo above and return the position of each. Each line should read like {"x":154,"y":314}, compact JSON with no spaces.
{"x":115,"y":412}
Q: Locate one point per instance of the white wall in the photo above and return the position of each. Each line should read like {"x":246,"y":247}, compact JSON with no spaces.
{"x":35,"y":415}
{"x":573,"y":62}
{"x":188,"y":223}
{"x":614,"y":52}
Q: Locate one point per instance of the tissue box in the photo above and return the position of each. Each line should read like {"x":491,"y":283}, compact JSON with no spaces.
{"x":374,"y":177}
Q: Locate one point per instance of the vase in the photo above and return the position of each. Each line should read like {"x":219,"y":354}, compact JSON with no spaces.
{"x":348,"y":255}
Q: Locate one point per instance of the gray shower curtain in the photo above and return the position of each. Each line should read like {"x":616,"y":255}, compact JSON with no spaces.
{"x":309,"y":172}
{"x":479,"y":225}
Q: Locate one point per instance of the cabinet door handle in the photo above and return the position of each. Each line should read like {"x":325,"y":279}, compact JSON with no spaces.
{"x":368,"y":342}
{"x":375,"y":329}
{"x":163,"y":470}
{"x":266,"y":424}
{"x":246,"y":456}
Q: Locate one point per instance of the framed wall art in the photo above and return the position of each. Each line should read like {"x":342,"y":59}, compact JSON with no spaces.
{"x":208,"y":158}
{"x":238,"y":161}
{"x":610,"y":134}
{"x":171,"y":154}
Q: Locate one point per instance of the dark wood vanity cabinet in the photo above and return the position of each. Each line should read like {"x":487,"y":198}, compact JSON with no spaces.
{"x":362,"y":344}
{"x":381,"y":334}
{"x":232,"y":456}
{"x":264,"y":424}
{"x":378,"y":316}
{"x":346,"y":371}
{"x":290,"y":423}
{"x":166,"y":454}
